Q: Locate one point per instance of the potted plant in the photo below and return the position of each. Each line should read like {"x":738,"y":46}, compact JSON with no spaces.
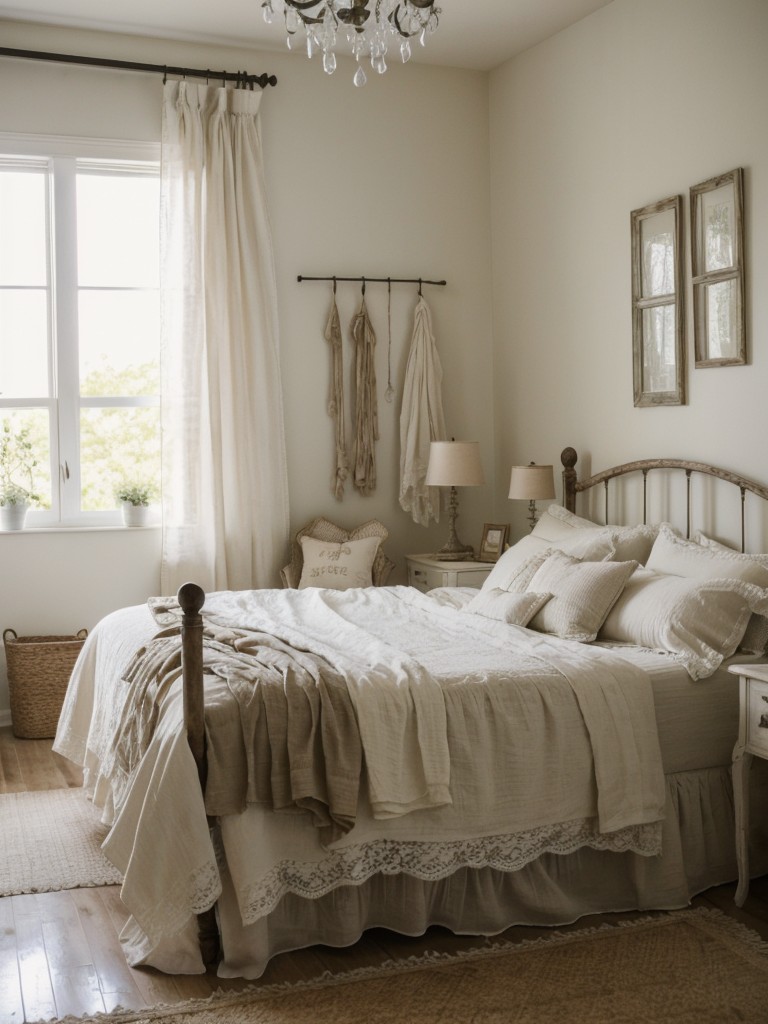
{"x":17,"y":463}
{"x":135,"y":497}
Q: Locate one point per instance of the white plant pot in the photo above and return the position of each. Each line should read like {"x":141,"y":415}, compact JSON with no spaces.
{"x":135,"y":515}
{"x":12,"y":516}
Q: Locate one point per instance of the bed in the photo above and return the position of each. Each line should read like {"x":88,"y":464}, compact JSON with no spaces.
{"x":284,"y":768}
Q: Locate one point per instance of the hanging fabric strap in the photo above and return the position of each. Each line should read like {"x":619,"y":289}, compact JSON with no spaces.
{"x":366,"y":409}
{"x":336,"y":399}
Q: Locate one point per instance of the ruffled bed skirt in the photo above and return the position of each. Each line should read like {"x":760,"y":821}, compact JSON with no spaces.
{"x":698,"y":851}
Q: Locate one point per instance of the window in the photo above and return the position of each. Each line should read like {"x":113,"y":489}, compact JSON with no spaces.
{"x":79,"y":322}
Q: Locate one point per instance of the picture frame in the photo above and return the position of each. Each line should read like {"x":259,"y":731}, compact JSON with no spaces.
{"x":658,"y":306}
{"x":493,"y":542}
{"x":718,"y":270}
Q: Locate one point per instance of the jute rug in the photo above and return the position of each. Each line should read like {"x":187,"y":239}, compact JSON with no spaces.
{"x":50,"y":840}
{"x":687,"y":967}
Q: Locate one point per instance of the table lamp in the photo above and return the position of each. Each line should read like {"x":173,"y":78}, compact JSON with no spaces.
{"x":532,"y":483}
{"x":454,"y":464}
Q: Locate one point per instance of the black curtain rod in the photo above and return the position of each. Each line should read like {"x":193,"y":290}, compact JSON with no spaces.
{"x":241,"y":77}
{"x":381,"y":280}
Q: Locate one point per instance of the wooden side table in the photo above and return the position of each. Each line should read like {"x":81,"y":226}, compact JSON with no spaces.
{"x":752,"y":742}
{"x":426,"y":573}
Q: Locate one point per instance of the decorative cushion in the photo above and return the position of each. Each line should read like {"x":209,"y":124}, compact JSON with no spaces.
{"x":338,"y":566}
{"x":516,"y":609}
{"x":324,"y":529}
{"x":582,"y":594}
{"x":699,"y":621}
{"x":588,"y":545}
{"x":631,"y":543}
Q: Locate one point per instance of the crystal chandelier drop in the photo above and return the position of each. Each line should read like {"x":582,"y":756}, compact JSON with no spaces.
{"x":369,"y":26}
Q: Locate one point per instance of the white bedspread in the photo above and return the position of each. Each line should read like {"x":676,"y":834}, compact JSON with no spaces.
{"x":472,"y":730}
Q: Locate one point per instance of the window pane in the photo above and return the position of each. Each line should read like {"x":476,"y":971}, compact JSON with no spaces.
{"x":25,"y":438}
{"x":119,"y":343}
{"x":23,"y":228}
{"x":23,"y":343}
{"x":117,"y":231}
{"x":717,"y":216}
{"x":659,"y":348}
{"x":657,"y":241}
{"x":722,"y":320}
{"x":117,"y":445}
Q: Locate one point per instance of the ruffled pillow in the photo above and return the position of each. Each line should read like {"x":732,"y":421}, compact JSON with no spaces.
{"x":699,"y":621}
{"x":631,"y":543}
{"x":588,"y":545}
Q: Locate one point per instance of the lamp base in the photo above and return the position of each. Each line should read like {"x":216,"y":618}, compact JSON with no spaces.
{"x":453,"y":554}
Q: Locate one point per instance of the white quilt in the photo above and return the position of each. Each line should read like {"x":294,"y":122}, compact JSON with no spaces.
{"x":484,"y":743}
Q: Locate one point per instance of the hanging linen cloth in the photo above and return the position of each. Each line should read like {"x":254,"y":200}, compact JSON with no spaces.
{"x":366,"y":408}
{"x":421,"y":419}
{"x":336,"y":399}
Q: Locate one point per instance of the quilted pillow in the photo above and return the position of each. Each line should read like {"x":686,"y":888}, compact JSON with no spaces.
{"x":699,"y":621}
{"x":582,"y":594}
{"x":516,"y":609}
{"x":338,"y":566}
{"x":588,"y":545}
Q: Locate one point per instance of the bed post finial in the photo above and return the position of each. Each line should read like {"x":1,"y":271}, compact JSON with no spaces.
{"x":568,"y":457}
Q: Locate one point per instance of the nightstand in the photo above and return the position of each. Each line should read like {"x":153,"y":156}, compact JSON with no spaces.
{"x":752,"y":742}
{"x":425,"y":572}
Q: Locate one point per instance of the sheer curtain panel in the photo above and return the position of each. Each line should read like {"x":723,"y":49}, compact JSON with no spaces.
{"x":225,"y":490}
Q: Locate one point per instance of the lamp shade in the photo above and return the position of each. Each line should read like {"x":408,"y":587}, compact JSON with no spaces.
{"x":532,"y":482}
{"x":454,"y":464}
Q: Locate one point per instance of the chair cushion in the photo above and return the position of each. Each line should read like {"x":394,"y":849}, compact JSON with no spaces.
{"x":324,"y":529}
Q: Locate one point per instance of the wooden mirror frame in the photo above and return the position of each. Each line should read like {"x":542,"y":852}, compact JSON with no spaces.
{"x":718,"y":275}
{"x":658,"y":306}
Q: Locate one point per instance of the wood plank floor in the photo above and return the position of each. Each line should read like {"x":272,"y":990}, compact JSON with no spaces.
{"x":60,"y":954}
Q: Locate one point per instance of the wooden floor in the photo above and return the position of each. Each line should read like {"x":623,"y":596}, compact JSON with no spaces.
{"x":60,"y":954}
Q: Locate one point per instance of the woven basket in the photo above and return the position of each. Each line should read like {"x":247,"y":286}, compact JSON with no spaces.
{"x":39,"y":668}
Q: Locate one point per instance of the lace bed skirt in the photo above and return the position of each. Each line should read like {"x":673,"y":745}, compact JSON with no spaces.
{"x":698,"y":851}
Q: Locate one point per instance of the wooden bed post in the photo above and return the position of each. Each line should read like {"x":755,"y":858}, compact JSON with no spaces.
{"x":191,"y":600}
{"x":568,"y":458}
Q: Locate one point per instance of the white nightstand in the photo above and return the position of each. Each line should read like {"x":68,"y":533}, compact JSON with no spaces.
{"x":425,"y":572}
{"x":752,"y":742}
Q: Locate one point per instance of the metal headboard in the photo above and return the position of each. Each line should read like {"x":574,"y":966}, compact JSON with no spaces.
{"x":573,"y":486}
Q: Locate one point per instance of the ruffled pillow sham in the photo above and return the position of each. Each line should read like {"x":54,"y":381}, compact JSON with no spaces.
{"x":588,"y":545}
{"x":631,"y":543}
{"x":698,"y":621}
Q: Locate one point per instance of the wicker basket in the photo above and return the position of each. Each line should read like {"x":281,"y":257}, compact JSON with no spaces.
{"x":39,"y":668}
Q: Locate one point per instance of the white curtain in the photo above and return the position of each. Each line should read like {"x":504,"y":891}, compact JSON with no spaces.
{"x":225,"y":490}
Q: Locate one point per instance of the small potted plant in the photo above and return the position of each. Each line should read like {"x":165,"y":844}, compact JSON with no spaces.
{"x":17,"y":462}
{"x":135,"y":497}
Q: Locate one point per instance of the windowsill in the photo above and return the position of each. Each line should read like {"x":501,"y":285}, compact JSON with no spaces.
{"x":117,"y":528}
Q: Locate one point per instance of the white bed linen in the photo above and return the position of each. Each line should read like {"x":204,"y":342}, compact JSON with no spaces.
{"x":599,"y":753}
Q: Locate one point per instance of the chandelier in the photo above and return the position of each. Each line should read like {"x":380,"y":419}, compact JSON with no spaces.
{"x":369,"y":32}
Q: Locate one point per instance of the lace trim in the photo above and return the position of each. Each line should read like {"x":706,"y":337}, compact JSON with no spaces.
{"x":192,"y":894}
{"x":432,"y":861}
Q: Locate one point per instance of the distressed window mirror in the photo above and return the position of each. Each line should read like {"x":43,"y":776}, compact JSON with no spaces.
{"x":717,"y":263}
{"x":657,"y":304}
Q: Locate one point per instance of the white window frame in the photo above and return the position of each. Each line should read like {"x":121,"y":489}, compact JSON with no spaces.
{"x":63,"y":155}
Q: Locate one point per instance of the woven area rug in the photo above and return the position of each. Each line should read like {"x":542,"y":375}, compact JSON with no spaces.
{"x":687,"y":967}
{"x":49,"y":840}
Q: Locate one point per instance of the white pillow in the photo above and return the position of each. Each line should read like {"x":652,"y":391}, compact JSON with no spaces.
{"x":338,"y":566}
{"x":582,"y":594}
{"x":699,"y":621}
{"x":588,"y":545}
{"x":755,"y":639}
{"x":506,"y":606}
{"x":631,"y":543}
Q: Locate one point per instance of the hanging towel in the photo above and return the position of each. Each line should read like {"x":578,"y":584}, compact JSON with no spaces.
{"x":336,"y":401}
{"x":421,"y":420}
{"x":366,"y":410}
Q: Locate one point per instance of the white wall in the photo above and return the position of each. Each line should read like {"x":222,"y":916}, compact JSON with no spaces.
{"x":633,"y":104}
{"x":390,"y":180}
